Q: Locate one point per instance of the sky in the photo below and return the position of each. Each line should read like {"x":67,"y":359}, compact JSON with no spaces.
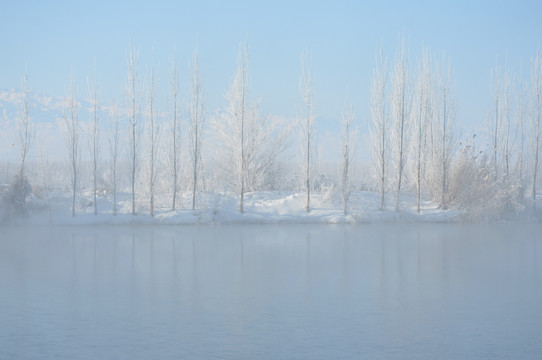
{"x":55,"y":38}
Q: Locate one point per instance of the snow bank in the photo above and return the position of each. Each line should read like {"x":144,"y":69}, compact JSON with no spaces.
{"x":220,"y":208}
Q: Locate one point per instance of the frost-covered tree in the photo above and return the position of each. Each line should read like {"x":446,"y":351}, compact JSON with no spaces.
{"x":92,"y":87}
{"x":25,"y":128}
{"x":501,"y":122}
{"x":152,"y":132}
{"x":16,"y":199}
{"x":401,"y":103}
{"x":306,"y":119}
{"x":232,"y":126}
{"x":71,"y":123}
{"x":347,"y":128}
{"x":472,"y":185}
{"x":521,"y":130}
{"x":495,"y":126}
{"x":114,"y":143}
{"x":503,"y":139}
{"x":266,"y":139}
{"x":250,"y":143}
{"x":422,"y":121}
{"x":536,"y":116}
{"x":132,"y":93}
{"x":196,"y":123}
{"x":379,"y":125}
{"x":45,"y":175}
{"x":174,"y":153}
{"x":446,"y":127}
{"x":507,"y":122}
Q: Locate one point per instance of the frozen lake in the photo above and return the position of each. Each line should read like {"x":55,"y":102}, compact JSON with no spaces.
{"x":271,"y":291}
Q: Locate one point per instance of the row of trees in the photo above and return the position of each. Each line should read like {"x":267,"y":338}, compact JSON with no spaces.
{"x":137,"y":114}
{"x":249,"y":143}
{"x":515,"y":125}
{"x":412,"y":133}
{"x":413,"y":125}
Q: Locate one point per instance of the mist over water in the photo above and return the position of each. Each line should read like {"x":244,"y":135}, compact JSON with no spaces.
{"x":273,"y":291}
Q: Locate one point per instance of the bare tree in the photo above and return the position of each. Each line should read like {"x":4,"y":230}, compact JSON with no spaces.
{"x":379,"y":124}
{"x":347,"y":124}
{"x":132,"y":88}
{"x":45,"y":171}
{"x":153,"y":139}
{"x":242,"y":77}
{"x":306,"y":118}
{"x":496,"y":120}
{"x":536,"y":120}
{"x":197,"y":123}
{"x":95,"y":133}
{"x":507,"y":121}
{"x":175,"y":131}
{"x":401,"y":104}
{"x":265,"y":139}
{"x":71,"y":122}
{"x":231,"y":127}
{"x":502,"y":140}
{"x":250,"y":143}
{"x":446,"y":103}
{"x":114,"y":151}
{"x":423,"y":114}
{"x":521,"y":129}
{"x":25,"y":127}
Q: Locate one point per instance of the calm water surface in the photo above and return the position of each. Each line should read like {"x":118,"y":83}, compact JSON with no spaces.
{"x":271,"y":291}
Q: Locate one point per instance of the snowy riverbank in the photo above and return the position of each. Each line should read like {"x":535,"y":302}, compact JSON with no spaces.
{"x":260,"y":207}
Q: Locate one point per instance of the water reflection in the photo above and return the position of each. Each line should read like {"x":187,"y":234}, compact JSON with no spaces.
{"x":444,"y":291}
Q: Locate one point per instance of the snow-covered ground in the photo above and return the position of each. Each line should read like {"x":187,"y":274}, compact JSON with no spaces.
{"x":259,"y":207}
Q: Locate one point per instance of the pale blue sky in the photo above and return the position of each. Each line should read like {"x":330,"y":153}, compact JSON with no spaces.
{"x":53,"y":37}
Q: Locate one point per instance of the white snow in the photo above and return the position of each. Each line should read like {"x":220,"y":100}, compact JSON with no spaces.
{"x":219,"y":208}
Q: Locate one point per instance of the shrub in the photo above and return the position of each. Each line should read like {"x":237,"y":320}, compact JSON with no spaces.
{"x":475,"y":190}
{"x":17,"y":198}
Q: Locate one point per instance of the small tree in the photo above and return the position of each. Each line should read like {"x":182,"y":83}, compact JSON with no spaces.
{"x":45,"y":174}
{"x":379,"y":124}
{"x":25,"y":127}
{"x":536,"y":119}
{"x":446,"y":104}
{"x":306,"y":118}
{"x":196,"y":123}
{"x":401,"y":105}
{"x":114,"y":151}
{"x":153,"y":139}
{"x":232,"y":126}
{"x":17,"y":198}
{"x":71,"y":122}
{"x":250,"y":142}
{"x":242,"y":79}
{"x":132,"y":89}
{"x":521,"y":131}
{"x":507,"y":122}
{"x":347,"y":120}
{"x":95,"y":133}
{"x":174,"y":153}
{"x":423,"y":117}
{"x":495,"y":126}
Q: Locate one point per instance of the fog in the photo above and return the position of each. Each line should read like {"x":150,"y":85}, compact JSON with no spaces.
{"x":271,"y":291}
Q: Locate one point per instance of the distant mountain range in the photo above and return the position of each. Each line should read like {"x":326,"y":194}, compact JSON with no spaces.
{"x":46,"y":114}
{"x":43,"y":108}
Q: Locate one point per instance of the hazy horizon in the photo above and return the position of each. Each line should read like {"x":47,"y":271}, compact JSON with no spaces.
{"x":52,"y":40}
